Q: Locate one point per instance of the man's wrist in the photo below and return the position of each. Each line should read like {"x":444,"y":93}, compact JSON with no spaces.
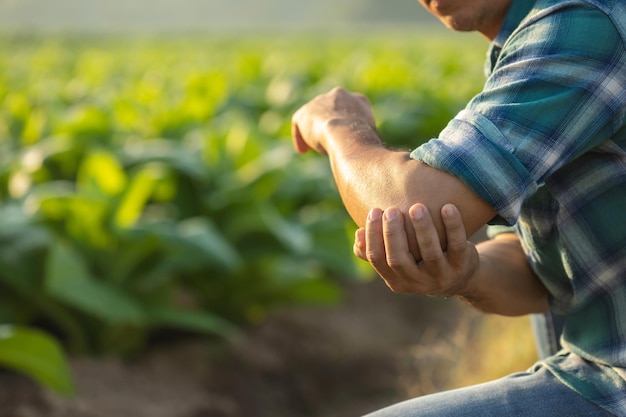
{"x":343,"y":134}
{"x":470,"y":290}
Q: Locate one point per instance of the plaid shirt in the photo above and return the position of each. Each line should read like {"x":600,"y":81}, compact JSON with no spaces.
{"x":545,"y":144}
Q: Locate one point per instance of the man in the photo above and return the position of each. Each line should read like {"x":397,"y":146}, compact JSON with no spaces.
{"x":543,"y":149}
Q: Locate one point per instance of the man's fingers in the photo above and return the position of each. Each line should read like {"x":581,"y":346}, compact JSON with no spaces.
{"x":376,"y":252}
{"x":455,"y":232}
{"x":374,"y":244}
{"x":427,"y":236}
{"x":359,"y":247}
{"x":399,"y":257}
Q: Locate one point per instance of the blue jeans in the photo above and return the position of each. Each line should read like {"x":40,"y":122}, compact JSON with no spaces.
{"x":537,"y":394}
{"x":524,"y":394}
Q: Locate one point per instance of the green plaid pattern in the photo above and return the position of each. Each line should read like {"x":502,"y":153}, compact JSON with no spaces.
{"x":545,"y":144}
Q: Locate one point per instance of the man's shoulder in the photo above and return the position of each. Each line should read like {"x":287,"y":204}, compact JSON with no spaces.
{"x":597,"y":27}
{"x":612,"y":11}
{"x":601,"y":4}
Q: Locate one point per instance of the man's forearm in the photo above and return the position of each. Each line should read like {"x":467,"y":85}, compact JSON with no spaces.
{"x":341,"y":125}
{"x":504,"y":282}
{"x":369,"y":175}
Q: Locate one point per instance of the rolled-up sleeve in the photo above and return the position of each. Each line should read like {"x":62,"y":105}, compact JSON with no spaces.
{"x":469,"y":148}
{"x":554,"y":94}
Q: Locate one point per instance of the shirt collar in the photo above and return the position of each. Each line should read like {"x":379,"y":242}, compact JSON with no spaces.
{"x":518,"y":10}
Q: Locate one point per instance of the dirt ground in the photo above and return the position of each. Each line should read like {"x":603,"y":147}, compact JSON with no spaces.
{"x":374,"y":349}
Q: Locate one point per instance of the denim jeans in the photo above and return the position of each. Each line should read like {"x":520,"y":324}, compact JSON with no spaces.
{"x":537,"y":394}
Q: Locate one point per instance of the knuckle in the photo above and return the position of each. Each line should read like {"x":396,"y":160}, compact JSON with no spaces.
{"x":375,"y":258}
{"x":455,"y":227}
{"x":388,"y":230}
{"x":420,"y":225}
{"x":457,"y":245}
{"x":396,"y":262}
{"x":428,"y":241}
{"x":363,"y":98}
{"x":431,"y":256}
{"x":401,"y":262}
{"x":430,"y":249}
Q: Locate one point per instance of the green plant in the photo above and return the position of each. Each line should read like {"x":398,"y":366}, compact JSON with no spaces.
{"x":36,"y":354}
{"x":149,"y":186}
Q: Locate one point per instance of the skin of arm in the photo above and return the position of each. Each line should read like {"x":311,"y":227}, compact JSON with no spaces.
{"x":504,"y":283}
{"x":341,"y":125}
{"x":411,"y":250}
{"x":493,"y":276}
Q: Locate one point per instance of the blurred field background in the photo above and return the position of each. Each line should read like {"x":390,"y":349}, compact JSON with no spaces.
{"x":156,"y":224}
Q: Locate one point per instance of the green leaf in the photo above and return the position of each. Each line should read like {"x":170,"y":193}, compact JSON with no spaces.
{"x":201,"y":235}
{"x":68,"y":279}
{"x":334,"y":238}
{"x":137,"y":195}
{"x":172,"y":154}
{"x":102,"y":170}
{"x":37,"y":355}
{"x":316,"y":292}
{"x":291,"y":234}
{"x":199,"y":322}
{"x":21,"y":242}
{"x":87,"y":122}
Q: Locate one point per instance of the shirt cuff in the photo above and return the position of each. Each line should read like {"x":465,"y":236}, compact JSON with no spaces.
{"x":473,"y":149}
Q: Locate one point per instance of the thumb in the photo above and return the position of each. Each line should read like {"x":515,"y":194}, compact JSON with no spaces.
{"x":299,"y":143}
{"x":359,"y":244}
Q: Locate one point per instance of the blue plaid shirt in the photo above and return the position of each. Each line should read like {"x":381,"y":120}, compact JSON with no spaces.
{"x":545,"y":144}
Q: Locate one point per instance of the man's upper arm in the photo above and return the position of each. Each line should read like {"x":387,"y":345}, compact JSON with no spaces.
{"x":554,"y":94}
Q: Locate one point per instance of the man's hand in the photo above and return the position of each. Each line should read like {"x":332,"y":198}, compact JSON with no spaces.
{"x":383,"y":243}
{"x":493,"y":276}
{"x":311,"y":123}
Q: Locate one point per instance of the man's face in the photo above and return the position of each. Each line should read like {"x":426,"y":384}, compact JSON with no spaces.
{"x":484,"y":16}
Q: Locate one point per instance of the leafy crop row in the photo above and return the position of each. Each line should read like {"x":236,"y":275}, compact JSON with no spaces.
{"x":149,"y":185}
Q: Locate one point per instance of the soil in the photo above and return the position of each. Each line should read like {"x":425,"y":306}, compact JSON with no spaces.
{"x":373,"y":349}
